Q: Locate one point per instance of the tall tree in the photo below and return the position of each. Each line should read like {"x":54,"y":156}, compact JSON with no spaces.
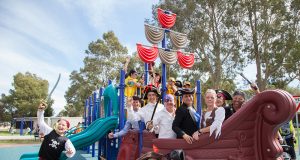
{"x":272,"y":36}
{"x":214,"y":34}
{"x":225,"y":33}
{"x":104,"y":59}
{"x":22,"y":101}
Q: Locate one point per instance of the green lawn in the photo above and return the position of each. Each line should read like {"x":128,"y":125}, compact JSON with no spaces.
{"x":5,"y":133}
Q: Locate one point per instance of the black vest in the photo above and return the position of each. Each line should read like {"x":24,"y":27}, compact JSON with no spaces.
{"x":52,"y":146}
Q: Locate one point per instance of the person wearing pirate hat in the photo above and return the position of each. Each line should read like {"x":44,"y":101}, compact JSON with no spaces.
{"x":186,"y":121}
{"x":237,"y":102}
{"x":152,"y":96}
{"x":54,"y":140}
{"x":222,"y":96}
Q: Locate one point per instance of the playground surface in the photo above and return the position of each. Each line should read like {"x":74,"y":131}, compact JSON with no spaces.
{"x":14,"y":151}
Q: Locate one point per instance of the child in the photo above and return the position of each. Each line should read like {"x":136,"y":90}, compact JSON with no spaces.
{"x":54,"y":140}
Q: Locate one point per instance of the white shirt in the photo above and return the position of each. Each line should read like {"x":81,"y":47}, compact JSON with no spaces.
{"x":217,"y":123}
{"x":163,"y":123}
{"x":45,"y":129}
{"x":146,"y":111}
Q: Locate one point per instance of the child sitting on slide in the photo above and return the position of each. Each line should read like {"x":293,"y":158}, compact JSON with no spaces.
{"x":54,"y":141}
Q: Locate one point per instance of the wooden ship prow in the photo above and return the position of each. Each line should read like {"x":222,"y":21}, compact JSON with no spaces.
{"x":248,"y":134}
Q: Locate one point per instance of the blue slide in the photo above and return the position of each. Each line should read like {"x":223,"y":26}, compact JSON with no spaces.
{"x":90,"y":135}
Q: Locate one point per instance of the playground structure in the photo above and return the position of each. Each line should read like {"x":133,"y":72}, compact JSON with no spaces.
{"x":248,"y":134}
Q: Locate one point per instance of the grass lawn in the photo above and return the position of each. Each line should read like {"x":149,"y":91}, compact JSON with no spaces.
{"x":5,"y":133}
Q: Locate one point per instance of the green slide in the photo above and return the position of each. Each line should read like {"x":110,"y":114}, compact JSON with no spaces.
{"x":90,"y":135}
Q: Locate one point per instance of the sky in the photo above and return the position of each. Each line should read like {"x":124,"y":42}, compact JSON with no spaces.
{"x":49,"y":38}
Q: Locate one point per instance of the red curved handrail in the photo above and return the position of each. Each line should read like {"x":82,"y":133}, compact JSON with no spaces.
{"x":147,"y":55}
{"x":166,"y":20}
{"x":185,"y":61}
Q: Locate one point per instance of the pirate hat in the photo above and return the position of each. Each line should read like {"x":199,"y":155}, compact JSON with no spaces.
{"x":224,"y":94}
{"x":183,"y":91}
{"x":150,"y":88}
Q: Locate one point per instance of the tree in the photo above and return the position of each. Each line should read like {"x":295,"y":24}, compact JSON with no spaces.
{"x":214,"y":34}
{"x":229,"y":33}
{"x":272,"y":40}
{"x":104,"y":59}
{"x":23,"y":100}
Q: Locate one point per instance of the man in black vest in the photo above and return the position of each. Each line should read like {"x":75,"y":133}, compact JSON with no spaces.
{"x":185,"y":123}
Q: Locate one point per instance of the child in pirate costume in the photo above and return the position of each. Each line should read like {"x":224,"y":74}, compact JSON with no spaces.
{"x":54,"y":141}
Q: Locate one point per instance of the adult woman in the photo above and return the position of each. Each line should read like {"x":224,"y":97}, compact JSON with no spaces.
{"x":213,"y":118}
{"x":222,"y":96}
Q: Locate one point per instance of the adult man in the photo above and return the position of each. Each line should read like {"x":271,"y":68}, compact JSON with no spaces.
{"x":151,"y":94}
{"x":237,"y":102}
{"x":132,"y":121}
{"x":164,"y":118}
{"x":186,"y":121}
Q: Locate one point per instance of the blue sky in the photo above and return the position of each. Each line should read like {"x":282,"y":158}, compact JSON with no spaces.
{"x":49,"y":37}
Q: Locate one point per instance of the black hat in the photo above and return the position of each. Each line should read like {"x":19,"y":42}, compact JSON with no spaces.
{"x":178,"y":84}
{"x":239,"y":92}
{"x":182,"y":91}
{"x":225,"y":94}
{"x":150,"y":88}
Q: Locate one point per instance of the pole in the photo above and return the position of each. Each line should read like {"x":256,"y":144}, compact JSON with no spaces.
{"x":164,"y":70}
{"x":199,"y":103}
{"x":89,"y":116}
{"x":146,"y":74}
{"x":297,"y":132}
{"x":94,"y":118}
{"x":108,"y":146}
{"x":122,"y":100}
{"x":21,"y":126}
{"x":100,"y":142}
{"x":31,"y":126}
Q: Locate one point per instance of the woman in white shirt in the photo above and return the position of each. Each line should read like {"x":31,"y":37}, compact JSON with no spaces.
{"x":164,"y":119}
{"x":213,"y":118}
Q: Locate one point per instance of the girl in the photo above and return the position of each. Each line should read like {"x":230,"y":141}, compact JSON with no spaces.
{"x":54,"y":140}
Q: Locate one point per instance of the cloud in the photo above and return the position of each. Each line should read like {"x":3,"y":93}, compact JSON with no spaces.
{"x":49,"y":37}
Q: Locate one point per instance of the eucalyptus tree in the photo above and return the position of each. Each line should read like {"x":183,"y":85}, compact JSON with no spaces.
{"x":103,"y":61}
{"x":272,"y":40}
{"x":215,"y":35}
